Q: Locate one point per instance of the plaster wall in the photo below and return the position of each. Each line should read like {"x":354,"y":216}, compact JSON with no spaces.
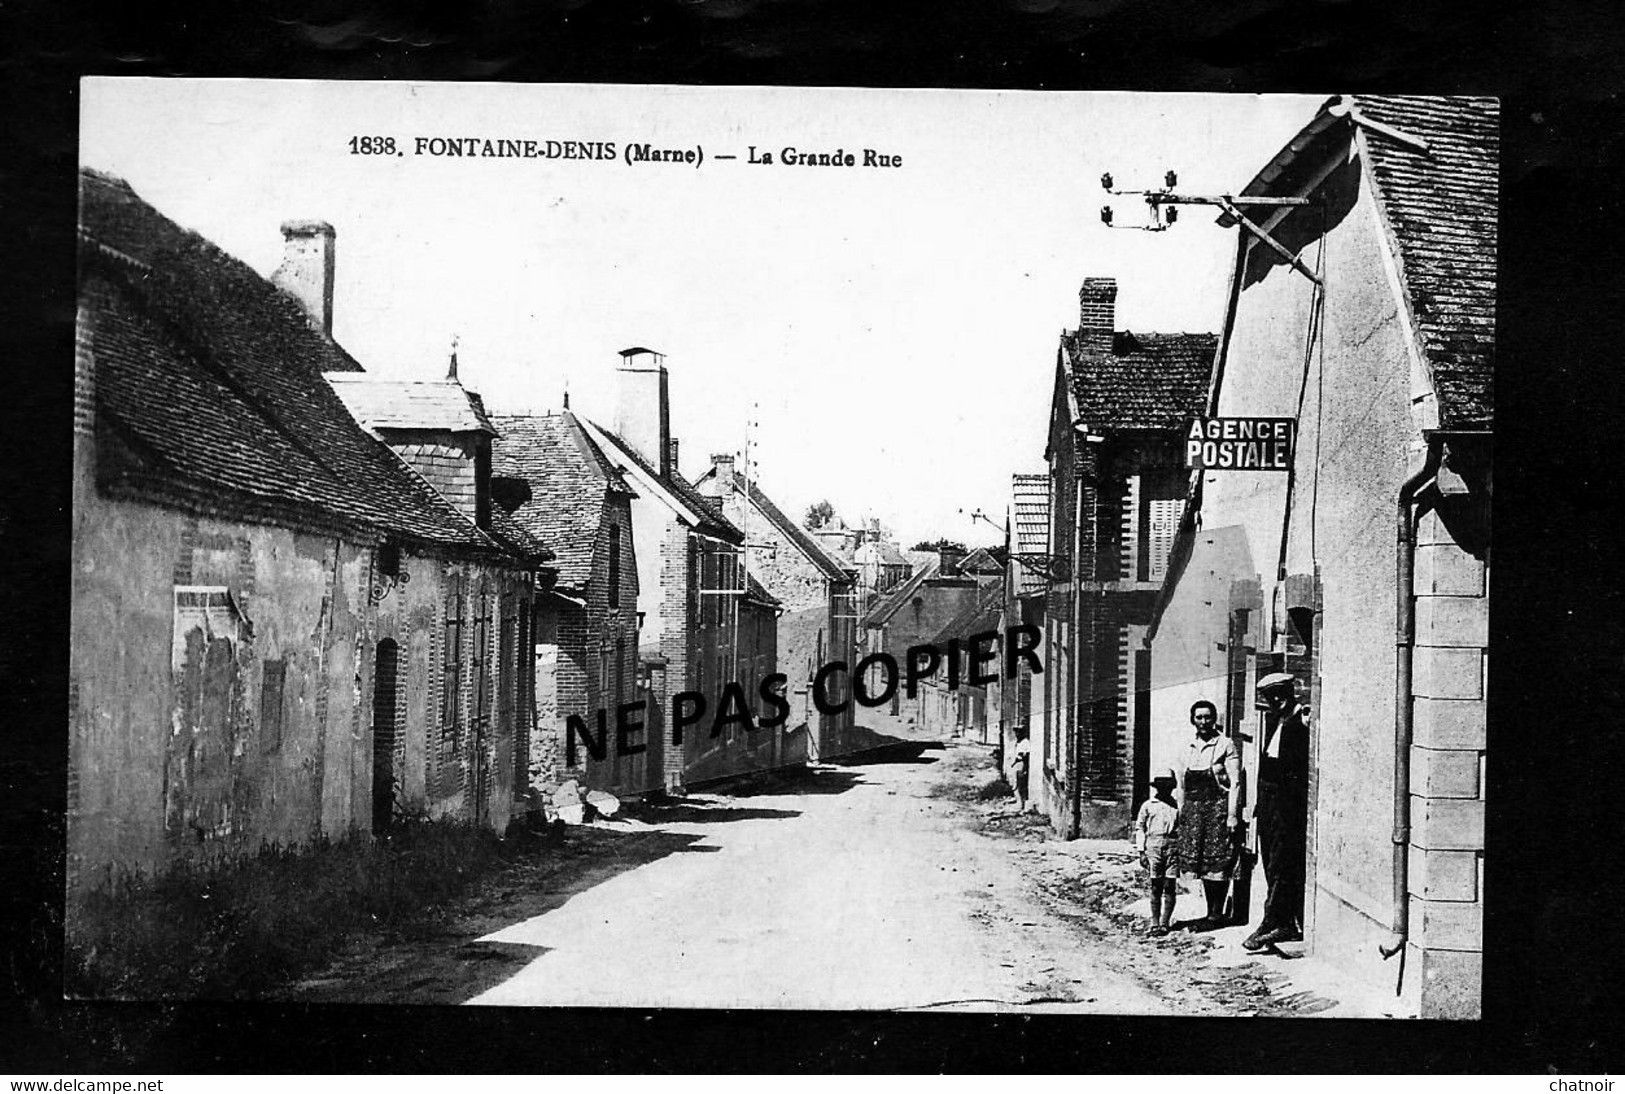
{"x":1356,"y":436}
{"x":149,"y":783}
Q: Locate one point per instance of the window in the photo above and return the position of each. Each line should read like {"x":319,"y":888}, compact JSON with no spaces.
{"x":389,"y":560}
{"x":482,"y":656}
{"x":1161,"y":505}
{"x":271,"y":688}
{"x":614,"y":565}
{"x":451,"y":658}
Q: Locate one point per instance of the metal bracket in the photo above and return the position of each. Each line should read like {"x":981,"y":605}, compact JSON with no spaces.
{"x":1241,"y":218}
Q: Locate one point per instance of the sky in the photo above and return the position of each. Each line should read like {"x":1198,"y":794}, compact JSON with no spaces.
{"x":884,"y":337}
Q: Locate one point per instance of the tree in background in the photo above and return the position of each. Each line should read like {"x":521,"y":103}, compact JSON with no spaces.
{"x":940,"y":545}
{"x":818,"y":515}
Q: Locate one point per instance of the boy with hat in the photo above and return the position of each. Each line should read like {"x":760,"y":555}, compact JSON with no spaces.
{"x":1155,"y":838}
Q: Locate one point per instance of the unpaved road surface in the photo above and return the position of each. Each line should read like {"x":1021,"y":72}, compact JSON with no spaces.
{"x":883,"y":882}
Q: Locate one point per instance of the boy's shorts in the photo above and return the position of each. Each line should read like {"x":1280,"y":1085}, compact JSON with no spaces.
{"x":1162,"y":856}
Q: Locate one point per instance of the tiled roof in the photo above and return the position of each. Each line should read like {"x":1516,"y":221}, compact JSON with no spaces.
{"x":980,"y":561}
{"x":1440,"y":205}
{"x":755,"y":590}
{"x":710,"y":512}
{"x":209,"y":389}
{"x":410,"y":404}
{"x":1145,"y":381}
{"x":827,"y":564}
{"x":982,"y":614}
{"x":567,"y":478}
{"x":916,"y":559}
{"x":1030,"y":527}
{"x":887,"y":606}
{"x":517,"y":539}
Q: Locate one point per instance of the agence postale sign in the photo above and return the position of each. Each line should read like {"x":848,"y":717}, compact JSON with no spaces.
{"x":1239,"y":444}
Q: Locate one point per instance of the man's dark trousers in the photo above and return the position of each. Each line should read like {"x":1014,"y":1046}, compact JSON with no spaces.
{"x":1282,"y":816}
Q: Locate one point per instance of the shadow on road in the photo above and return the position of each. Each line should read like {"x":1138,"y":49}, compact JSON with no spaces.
{"x":887,"y":750}
{"x":798,"y":781}
{"x":448,"y":962}
{"x":700,"y":811}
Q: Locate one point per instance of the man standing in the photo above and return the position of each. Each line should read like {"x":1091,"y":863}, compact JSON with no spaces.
{"x":1020,"y":760}
{"x":1282,"y":810}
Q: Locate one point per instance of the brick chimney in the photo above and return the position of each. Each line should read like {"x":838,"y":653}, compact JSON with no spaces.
{"x":1097,"y":311}
{"x":643,"y":413}
{"x":306,"y":273}
{"x":951,"y":558}
{"x":724,"y":466}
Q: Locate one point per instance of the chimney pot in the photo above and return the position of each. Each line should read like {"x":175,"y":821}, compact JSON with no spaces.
{"x":306,"y":273}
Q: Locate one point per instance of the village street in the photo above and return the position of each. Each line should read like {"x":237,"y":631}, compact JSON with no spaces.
{"x":879,"y":882}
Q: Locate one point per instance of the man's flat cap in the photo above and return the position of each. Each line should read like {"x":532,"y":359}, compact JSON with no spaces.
{"x":1277,"y":680}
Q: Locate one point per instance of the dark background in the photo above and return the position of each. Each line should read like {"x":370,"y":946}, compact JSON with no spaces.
{"x":1553,"y":929}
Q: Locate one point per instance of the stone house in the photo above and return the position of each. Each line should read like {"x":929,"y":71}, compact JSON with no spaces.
{"x":816,"y":590}
{"x":1119,"y":412}
{"x":279,"y":631}
{"x":700,"y":617}
{"x":441,"y":432}
{"x":557,"y":484}
{"x":1364,"y":569}
{"x":881,"y":565}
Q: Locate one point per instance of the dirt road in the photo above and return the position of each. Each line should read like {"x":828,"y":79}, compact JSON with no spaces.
{"x":883,"y":882}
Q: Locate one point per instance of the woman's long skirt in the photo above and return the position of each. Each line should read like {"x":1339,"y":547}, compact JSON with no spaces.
{"x":1207,"y":849}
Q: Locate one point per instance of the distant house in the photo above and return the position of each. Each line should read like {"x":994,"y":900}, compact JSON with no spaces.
{"x":815,"y":589}
{"x":279,"y":630}
{"x":701,"y":626}
{"x":557,"y":484}
{"x":965,"y":710}
{"x":1118,"y":415}
{"x":1364,"y":570}
{"x":837,"y":539}
{"x":915,"y":613}
{"x":881,"y":566}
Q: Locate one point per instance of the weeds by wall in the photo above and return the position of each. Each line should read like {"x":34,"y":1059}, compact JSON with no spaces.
{"x":236,"y":927}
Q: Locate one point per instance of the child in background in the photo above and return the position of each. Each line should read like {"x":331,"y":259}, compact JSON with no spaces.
{"x":1155,"y":838}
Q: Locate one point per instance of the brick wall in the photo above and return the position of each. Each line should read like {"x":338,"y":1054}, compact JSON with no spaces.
{"x":597,"y":668}
{"x":1447,"y":765}
{"x":1097,"y":311}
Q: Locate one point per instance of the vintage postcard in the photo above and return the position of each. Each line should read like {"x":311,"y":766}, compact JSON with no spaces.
{"x":654,"y":546}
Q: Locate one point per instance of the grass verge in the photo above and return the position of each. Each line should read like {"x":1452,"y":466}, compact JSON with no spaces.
{"x":236,"y":927}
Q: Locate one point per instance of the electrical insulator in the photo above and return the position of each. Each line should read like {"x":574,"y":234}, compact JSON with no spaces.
{"x":1106,"y":181}
{"x":1171,"y":214}
{"x":1171,"y":179}
{"x":1106,"y":214}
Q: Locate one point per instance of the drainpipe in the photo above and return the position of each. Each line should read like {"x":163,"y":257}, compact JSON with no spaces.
{"x":1404,"y":636}
{"x":1083,"y":436}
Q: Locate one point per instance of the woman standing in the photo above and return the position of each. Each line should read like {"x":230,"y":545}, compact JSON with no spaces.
{"x":1209,"y":810}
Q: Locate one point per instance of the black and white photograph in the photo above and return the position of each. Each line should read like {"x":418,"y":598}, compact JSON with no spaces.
{"x":779,"y":548}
